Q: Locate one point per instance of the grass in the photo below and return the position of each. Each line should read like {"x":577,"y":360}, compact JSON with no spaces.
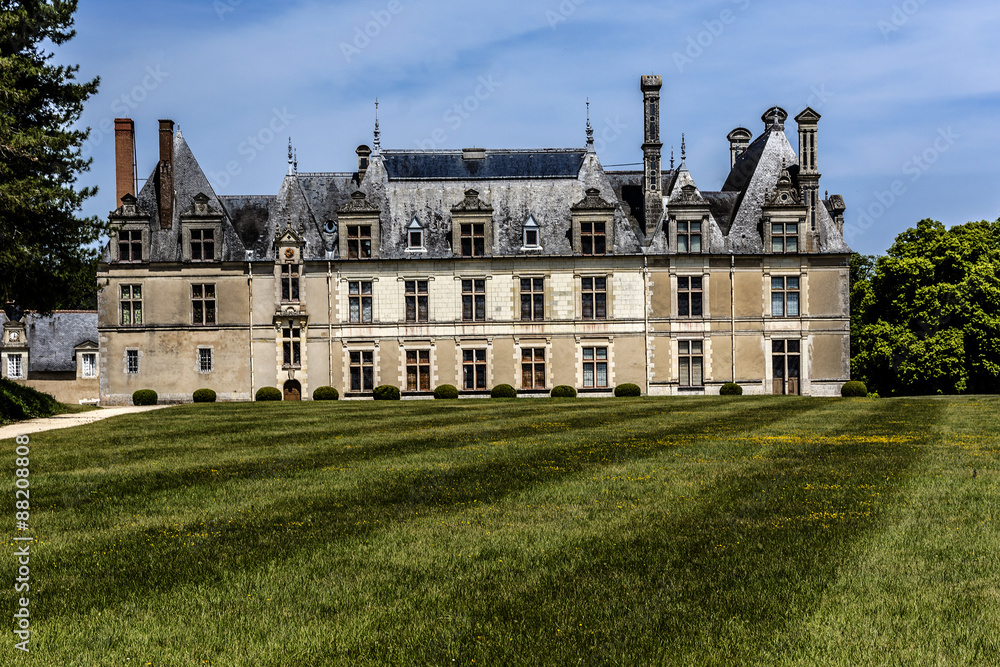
{"x":764,"y":530}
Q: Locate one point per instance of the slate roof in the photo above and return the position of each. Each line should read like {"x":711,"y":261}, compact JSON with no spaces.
{"x":495,"y":165}
{"x":52,"y":338}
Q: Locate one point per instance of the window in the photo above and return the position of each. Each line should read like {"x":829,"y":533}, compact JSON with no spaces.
{"x":474,"y":300}
{"x":15,"y":366}
{"x":688,"y":296}
{"x":360,"y":300}
{"x":785,"y":297}
{"x":362,"y":371}
{"x":595,"y":298}
{"x":359,"y":241}
{"x":204,"y":360}
{"x":416,"y":300}
{"x":291,"y":346}
{"x":533,"y":368}
{"x":415,"y":235}
{"x":202,"y":245}
{"x":595,"y":367}
{"x":784,"y":237}
{"x":203,"y":302}
{"x":131,"y":305}
{"x":418,"y":370}
{"x":89,"y":365}
{"x":473,"y":239}
{"x":592,"y":238}
{"x":474,"y":369}
{"x":132,"y":362}
{"x":688,"y":236}
{"x":532,"y":299}
{"x":690,"y":363}
{"x":130,"y":246}
{"x":530,"y":240}
{"x":290,"y":282}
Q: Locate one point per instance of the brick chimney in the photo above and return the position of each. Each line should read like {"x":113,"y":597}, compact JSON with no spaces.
{"x":651,"y":180}
{"x":124,"y":159}
{"x":166,"y":174}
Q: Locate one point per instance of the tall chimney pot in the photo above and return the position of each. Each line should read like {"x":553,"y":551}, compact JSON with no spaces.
{"x":124,"y":159}
{"x":166,"y":174}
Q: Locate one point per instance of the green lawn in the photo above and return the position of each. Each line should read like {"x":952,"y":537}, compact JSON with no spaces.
{"x":753,"y":530}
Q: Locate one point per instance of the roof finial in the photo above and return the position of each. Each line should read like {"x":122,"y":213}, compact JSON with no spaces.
{"x":295,"y":161}
{"x":590,"y":130}
{"x":378,"y":140}
{"x":671,"y":157}
{"x":683,"y":149}
{"x":290,"y":171}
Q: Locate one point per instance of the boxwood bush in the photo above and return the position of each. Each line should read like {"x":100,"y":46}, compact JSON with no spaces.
{"x":144,"y":397}
{"x":731,"y":389}
{"x":268,"y":394}
{"x":563,"y":391}
{"x":446,"y":391}
{"x":204,"y":396}
{"x":854,"y":389}
{"x":18,"y":401}
{"x":325,"y":394}
{"x":386,"y":392}
{"x":503,"y":391}
{"x":627,"y":389}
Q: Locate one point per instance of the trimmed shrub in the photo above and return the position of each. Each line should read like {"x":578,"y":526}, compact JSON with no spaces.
{"x":386,"y":392}
{"x":628,"y":389}
{"x":446,"y":391}
{"x":563,"y":391}
{"x":854,"y":389}
{"x":325,"y":394}
{"x":18,"y":401}
{"x":144,"y":397}
{"x":503,"y":391}
{"x":731,"y":389}
{"x":268,"y":394}
{"x":204,"y":396}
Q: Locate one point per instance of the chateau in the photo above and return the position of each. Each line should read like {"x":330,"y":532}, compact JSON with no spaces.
{"x":478,"y":267}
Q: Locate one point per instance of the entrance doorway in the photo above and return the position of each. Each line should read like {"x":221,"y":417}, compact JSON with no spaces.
{"x":293,"y":391}
{"x":785,"y":366}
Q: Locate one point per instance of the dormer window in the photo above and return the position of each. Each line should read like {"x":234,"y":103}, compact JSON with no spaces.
{"x":359,"y":241}
{"x":688,"y":236}
{"x":784,"y":237}
{"x":415,"y":236}
{"x":130,"y":245}
{"x":202,"y":245}
{"x":530,"y":234}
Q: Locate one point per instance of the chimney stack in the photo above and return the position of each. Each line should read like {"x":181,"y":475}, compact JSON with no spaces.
{"x":652,"y":179}
{"x":809,"y":174}
{"x":124,"y":159}
{"x":166,"y":174}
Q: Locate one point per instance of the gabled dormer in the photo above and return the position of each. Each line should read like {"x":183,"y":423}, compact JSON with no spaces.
{"x":472,"y":226}
{"x":783,"y":219}
{"x":593,"y":224}
{"x":201,"y":231}
{"x":289,"y":294}
{"x":129,"y":232}
{"x":358,"y":222}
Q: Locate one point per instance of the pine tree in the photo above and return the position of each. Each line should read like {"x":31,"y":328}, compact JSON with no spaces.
{"x":45,"y":261}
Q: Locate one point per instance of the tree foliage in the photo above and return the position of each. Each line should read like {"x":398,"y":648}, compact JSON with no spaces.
{"x":925,"y":318}
{"x":46,"y":256}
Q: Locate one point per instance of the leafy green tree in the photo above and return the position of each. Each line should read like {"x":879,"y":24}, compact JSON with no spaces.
{"x":47,"y":258}
{"x":925,"y":318}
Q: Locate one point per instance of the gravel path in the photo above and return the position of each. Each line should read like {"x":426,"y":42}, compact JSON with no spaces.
{"x":67,"y":421}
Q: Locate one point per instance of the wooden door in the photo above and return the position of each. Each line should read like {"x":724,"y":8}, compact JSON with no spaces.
{"x":293,"y":391}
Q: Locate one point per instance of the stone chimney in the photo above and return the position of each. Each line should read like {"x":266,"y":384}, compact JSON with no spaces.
{"x":739,"y":141}
{"x":124,"y":159}
{"x":166,"y":174}
{"x":652,"y":179}
{"x":809,"y":174}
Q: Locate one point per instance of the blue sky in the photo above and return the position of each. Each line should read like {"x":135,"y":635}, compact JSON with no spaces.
{"x":908,"y":89}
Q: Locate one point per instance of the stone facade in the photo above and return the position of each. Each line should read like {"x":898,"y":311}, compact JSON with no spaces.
{"x":479,"y":267}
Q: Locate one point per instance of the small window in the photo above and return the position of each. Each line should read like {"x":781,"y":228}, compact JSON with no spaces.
{"x":785,"y":296}
{"x":418,"y":370}
{"x":689,"y":296}
{"x":688,"y":236}
{"x":533,"y":299}
{"x":593,"y":239}
{"x":473,"y":239}
{"x":416,"y":300}
{"x":202,"y":245}
{"x":291,"y":346}
{"x":595,"y":298}
{"x":474,"y":369}
{"x":15,"y":366}
{"x":360,"y":301}
{"x":362,"y":369}
{"x":530,"y":240}
{"x":330,"y":227}
{"x":784,"y":237}
{"x":690,"y":363}
{"x":415,"y":235}
{"x":89,"y":363}
{"x":130,"y":245}
{"x":203,"y":304}
{"x":533,"y":368}
{"x":132,"y":362}
{"x":131,"y":305}
{"x":474,"y":300}
{"x":359,"y":241}
{"x":204,"y":360}
{"x":595,"y":367}
{"x":290,"y":282}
